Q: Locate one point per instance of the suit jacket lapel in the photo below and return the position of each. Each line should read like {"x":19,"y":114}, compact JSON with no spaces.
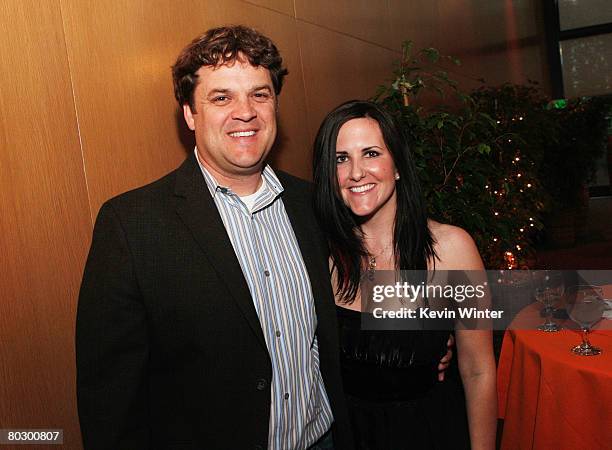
{"x":198,"y":211}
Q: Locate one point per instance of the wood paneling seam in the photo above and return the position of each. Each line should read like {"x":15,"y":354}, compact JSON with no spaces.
{"x":303,"y":76}
{"x":349,"y":35}
{"x":271,"y":9}
{"x":76,"y":113}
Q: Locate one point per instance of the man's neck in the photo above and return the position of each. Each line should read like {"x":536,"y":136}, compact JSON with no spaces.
{"x":240,"y":185}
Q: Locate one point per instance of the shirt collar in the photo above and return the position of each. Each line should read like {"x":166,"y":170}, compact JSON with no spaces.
{"x":269,"y":178}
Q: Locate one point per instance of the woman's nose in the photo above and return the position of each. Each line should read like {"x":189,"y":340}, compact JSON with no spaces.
{"x":357,"y":171}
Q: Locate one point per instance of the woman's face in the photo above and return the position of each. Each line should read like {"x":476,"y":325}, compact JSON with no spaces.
{"x":365,"y":168}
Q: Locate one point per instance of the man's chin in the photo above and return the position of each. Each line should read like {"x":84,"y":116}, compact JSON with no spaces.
{"x":249,"y":165}
{"x":249,"y":168}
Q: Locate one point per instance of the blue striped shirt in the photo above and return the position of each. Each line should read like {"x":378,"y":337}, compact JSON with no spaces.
{"x":272,"y":264}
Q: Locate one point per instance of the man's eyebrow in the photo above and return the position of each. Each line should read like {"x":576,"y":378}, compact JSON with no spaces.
{"x":218,"y":91}
{"x":263,"y":86}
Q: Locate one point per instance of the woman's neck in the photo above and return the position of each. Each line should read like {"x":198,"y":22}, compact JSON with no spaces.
{"x":378,"y":234}
{"x":382,"y":221}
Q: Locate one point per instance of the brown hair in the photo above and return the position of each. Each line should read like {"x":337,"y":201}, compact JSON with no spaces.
{"x":220,"y":46}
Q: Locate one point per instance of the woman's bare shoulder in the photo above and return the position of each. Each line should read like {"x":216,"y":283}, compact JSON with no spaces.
{"x":446,"y":234}
{"x":454,"y":247}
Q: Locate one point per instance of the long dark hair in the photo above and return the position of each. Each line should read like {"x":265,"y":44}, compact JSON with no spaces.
{"x":413,"y":242}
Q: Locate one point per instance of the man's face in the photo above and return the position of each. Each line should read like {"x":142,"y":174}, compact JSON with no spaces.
{"x":234,"y":118}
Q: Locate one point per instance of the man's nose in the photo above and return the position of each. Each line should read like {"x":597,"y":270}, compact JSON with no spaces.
{"x":244,"y":110}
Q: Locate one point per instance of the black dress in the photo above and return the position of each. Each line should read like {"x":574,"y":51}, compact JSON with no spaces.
{"x":395,"y":401}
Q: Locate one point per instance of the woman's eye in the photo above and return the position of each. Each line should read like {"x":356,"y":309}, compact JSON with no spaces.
{"x":372,"y":153}
{"x":341,"y":159}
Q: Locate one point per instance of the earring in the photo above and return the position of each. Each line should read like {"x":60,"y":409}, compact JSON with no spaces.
{"x":397,"y":176}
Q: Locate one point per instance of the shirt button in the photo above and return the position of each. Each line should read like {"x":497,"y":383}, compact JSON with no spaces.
{"x":286,"y":395}
{"x":278,"y":333}
{"x":261,"y":384}
{"x":267,"y":273}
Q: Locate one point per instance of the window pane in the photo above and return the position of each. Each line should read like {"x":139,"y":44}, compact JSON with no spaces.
{"x":587,"y":65}
{"x":584,"y":13}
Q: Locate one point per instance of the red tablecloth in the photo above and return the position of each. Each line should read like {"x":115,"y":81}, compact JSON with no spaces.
{"x":549,"y":398}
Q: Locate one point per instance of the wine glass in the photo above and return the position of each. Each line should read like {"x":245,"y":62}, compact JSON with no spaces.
{"x":549,"y":290}
{"x":585,"y":306}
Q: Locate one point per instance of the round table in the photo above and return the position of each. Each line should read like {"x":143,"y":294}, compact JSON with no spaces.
{"x":549,"y":397}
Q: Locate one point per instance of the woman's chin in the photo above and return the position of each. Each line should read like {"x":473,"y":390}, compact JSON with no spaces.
{"x":362,"y":212}
{"x":363,"y":215}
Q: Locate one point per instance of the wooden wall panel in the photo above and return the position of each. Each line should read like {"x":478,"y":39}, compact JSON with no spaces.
{"x":415,"y":20}
{"x":120,"y":54}
{"x":129,"y":94}
{"x":44,"y":221}
{"x":498,"y":41}
{"x":339,"y":68}
{"x":292,"y":151}
{"x":283,"y":6}
{"x":363,"y":19}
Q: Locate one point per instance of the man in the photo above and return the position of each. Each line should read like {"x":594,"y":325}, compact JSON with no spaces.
{"x":206,"y":318}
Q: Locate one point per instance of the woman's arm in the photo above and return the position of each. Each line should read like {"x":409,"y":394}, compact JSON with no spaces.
{"x":477,"y":368}
{"x":456,"y":251}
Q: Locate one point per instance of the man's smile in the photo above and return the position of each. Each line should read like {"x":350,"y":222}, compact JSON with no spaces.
{"x":243,"y":133}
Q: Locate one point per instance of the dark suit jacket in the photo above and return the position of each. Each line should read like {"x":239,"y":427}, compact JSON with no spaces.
{"x":170,"y":351}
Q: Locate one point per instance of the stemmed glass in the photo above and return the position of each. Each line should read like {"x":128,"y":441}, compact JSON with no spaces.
{"x":585,"y":306}
{"x":550,"y":287}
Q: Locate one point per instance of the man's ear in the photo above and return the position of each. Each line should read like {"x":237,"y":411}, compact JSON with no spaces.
{"x":188,"y":115}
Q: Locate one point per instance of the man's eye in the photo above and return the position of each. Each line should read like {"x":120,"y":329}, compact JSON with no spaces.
{"x":341,"y":159}
{"x":220,"y":99}
{"x":262,"y":95}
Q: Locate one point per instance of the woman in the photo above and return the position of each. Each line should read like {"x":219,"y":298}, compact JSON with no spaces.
{"x":369,"y":203}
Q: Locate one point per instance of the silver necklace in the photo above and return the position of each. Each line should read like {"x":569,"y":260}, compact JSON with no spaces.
{"x":372,"y":260}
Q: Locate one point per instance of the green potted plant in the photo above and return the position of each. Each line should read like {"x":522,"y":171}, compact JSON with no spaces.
{"x":521,"y":112}
{"x":461,"y":151}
